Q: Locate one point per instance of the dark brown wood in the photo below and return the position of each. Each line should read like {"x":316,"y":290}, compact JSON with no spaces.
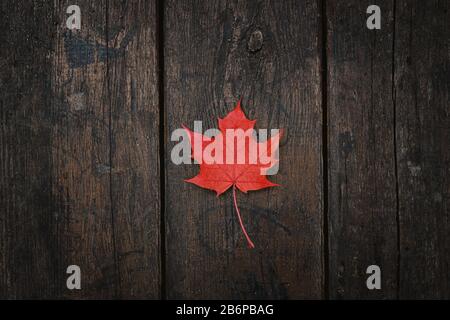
{"x":106,"y":148}
{"x":81,"y":151}
{"x":361,"y":164}
{"x":422,"y":87}
{"x":28,"y":243}
{"x":268,"y":54}
{"x":135,"y":155}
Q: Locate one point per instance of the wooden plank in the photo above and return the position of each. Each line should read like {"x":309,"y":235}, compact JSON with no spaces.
{"x":135,"y":145}
{"x":362,"y":182}
{"x":28,"y":244}
{"x":268,"y":53}
{"x":81,"y":152}
{"x":79,"y":156}
{"x":422,"y":89}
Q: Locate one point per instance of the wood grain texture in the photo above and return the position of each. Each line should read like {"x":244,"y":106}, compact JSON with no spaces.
{"x":135,"y":181}
{"x":362,"y":181}
{"x":268,"y":54}
{"x":28,"y":247}
{"x":106,"y":149}
{"x":422,"y":87}
{"x":80,"y":172}
{"x":81,"y":151}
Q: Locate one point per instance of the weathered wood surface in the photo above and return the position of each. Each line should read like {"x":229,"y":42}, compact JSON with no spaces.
{"x":422,"y":89}
{"x":268,"y":54}
{"x":81,"y":151}
{"x":80,"y":156}
{"x":361,"y":163}
{"x":135,"y":194}
{"x":29,"y":254}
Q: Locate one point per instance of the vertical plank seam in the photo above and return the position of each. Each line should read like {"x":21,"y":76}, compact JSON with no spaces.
{"x":111,"y":200}
{"x":58,"y":291}
{"x":397,"y":204}
{"x":324,"y":88}
{"x":162,"y":177}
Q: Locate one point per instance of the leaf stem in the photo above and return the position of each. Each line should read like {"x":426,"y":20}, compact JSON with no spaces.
{"x":249,"y":241}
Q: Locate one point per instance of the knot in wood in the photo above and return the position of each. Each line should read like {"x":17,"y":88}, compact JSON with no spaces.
{"x":255,"y":42}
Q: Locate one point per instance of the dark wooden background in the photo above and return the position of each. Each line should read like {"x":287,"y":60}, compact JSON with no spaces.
{"x":85,"y":170}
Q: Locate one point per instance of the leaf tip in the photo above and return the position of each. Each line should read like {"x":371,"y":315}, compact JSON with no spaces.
{"x":238,"y":105}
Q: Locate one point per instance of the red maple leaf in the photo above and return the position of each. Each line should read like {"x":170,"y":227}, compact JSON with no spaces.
{"x":233,"y":159}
